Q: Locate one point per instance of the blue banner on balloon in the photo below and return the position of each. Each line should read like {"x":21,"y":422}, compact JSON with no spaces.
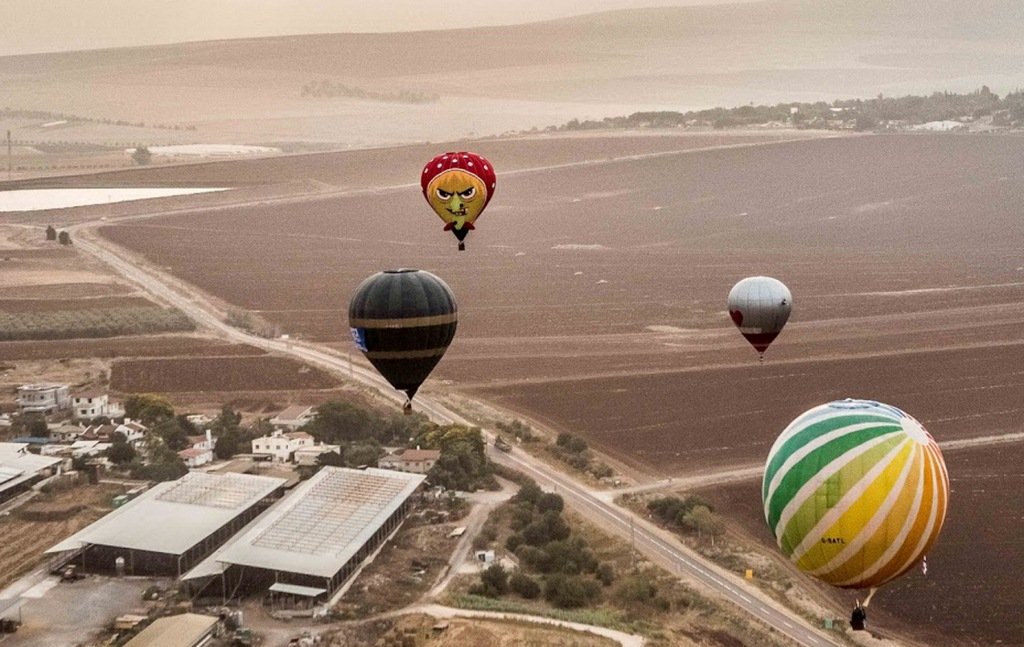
{"x":359,"y":337}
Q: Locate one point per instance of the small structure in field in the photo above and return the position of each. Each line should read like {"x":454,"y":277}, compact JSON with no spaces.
{"x":184,"y":630}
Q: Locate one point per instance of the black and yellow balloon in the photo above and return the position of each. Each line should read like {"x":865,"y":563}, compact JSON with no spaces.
{"x":403,"y":321}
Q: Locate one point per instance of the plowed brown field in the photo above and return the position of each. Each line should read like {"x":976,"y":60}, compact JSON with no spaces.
{"x":592,"y":295}
{"x":219,"y":374}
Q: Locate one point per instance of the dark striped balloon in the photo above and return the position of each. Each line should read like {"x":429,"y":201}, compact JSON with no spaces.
{"x":403,"y":321}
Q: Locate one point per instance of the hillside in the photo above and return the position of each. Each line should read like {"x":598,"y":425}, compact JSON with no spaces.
{"x":484,"y":81}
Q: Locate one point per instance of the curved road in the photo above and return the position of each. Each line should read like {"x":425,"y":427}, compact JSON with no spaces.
{"x":655,"y":544}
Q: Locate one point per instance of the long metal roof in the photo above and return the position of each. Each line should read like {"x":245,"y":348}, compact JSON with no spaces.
{"x":174,"y":516}
{"x":317,"y":528}
{"x":17,"y":465}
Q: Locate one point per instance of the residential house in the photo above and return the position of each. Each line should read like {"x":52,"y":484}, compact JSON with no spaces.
{"x":44,"y":398}
{"x":416,"y":460}
{"x":94,"y":404}
{"x":294,"y":417}
{"x":199,"y":450}
{"x":66,"y":432}
{"x":311,"y":455}
{"x":281,"y":445}
{"x":133,"y":432}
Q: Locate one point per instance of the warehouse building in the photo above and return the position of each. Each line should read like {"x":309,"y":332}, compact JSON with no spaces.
{"x":309,"y":544}
{"x":174,"y":525}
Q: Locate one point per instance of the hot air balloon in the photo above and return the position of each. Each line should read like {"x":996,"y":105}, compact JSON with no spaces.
{"x":760,"y":307}
{"x":855,"y":492}
{"x":458,"y":186}
{"x":403,"y":321}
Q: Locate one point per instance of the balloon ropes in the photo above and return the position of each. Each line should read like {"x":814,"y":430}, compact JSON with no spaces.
{"x":760,"y":307}
{"x":458,"y":186}
{"x":403,"y":321}
{"x":855,"y":493}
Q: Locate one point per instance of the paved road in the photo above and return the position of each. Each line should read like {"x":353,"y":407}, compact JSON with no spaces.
{"x":656,"y":545}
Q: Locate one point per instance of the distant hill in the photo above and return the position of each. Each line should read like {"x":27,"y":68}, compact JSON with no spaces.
{"x":492,"y":79}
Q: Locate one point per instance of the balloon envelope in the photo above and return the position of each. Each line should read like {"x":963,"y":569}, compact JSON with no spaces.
{"x":760,"y":307}
{"x":855,"y":492}
{"x":403,"y":321}
{"x":458,"y":185}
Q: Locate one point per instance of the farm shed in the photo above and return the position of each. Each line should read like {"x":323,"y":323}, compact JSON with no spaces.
{"x":20,"y":469}
{"x":184,"y":630}
{"x":310,"y":543}
{"x":172,"y":526}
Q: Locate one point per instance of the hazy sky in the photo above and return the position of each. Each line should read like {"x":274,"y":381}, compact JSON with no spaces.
{"x":28,"y":26}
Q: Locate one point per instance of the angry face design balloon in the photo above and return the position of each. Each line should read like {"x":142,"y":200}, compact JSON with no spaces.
{"x":458,"y":186}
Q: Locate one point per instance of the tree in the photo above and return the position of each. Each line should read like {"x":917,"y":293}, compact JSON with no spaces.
{"x":148,"y":408}
{"x":365,"y":453}
{"x":64,"y":238}
{"x":228,"y":444}
{"x":340,"y":422}
{"x":550,"y":501}
{"x":570,"y":591}
{"x":174,"y":432}
{"x":524,"y":585}
{"x":330,"y":459}
{"x":120,"y":451}
{"x":529,"y":492}
{"x":495,"y":578}
{"x":30,"y":424}
{"x":701,"y":519}
{"x":51,"y":233}
{"x":142,"y":155}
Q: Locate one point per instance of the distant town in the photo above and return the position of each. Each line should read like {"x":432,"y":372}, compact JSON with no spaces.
{"x":980,"y":111}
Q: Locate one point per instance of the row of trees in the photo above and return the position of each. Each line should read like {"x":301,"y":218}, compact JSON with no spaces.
{"x":93,"y":323}
{"x":866,"y":113}
{"x":326,"y":88}
{"x":574,"y":450}
{"x":690,"y":513}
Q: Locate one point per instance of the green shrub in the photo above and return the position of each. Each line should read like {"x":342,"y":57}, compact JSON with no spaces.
{"x":524,"y":585}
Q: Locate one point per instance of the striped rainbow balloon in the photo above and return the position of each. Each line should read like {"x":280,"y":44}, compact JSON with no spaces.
{"x":855,"y":492}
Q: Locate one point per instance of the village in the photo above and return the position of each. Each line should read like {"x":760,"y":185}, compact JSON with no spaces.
{"x":285,"y":524}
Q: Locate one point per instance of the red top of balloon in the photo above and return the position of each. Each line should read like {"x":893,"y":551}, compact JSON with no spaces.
{"x":460,"y":161}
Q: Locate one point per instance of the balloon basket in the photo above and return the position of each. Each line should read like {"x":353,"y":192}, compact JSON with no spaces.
{"x":462,"y":247}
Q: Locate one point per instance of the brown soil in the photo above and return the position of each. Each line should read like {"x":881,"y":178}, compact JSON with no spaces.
{"x":141,"y":346}
{"x":224,"y":374}
{"x":592,"y":297}
{"x":971,"y":593}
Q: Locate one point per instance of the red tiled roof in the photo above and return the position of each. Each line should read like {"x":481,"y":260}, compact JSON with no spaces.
{"x":420,"y":455}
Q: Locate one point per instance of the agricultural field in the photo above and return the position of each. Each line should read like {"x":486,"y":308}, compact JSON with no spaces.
{"x":592,"y":296}
{"x":46,"y":520}
{"x":969,"y":593}
{"x":217,"y":374}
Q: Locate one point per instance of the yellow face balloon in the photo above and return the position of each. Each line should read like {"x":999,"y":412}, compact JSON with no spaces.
{"x":458,"y":185}
{"x":457,"y":197}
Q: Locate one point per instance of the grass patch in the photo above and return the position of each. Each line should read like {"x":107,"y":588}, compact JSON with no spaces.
{"x":596,"y":617}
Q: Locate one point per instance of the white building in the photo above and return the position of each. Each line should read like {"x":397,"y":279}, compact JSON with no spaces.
{"x":281,"y":445}
{"x":94,"y":404}
{"x":199,"y":451}
{"x":294,"y":417}
{"x":418,"y":461}
{"x":44,"y":398}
